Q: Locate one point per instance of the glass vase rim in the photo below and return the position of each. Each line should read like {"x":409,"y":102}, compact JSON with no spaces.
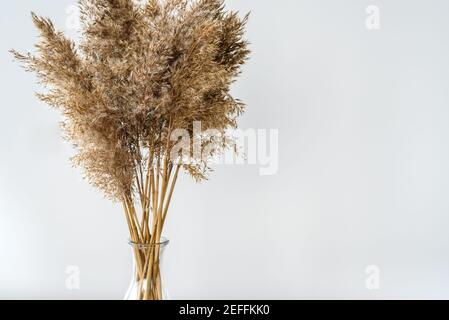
{"x":163,"y":242}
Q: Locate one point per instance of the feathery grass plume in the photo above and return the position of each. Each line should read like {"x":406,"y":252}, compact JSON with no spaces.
{"x":139,"y":73}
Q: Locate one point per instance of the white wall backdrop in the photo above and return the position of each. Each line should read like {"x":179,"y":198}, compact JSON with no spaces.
{"x":363,"y":173}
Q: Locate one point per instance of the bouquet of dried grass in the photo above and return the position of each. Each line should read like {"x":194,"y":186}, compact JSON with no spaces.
{"x":141,"y":73}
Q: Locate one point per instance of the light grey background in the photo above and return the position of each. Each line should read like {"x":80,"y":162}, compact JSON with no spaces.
{"x":363,"y":176}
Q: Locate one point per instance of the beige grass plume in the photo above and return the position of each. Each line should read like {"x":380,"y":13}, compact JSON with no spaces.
{"x":140,"y":72}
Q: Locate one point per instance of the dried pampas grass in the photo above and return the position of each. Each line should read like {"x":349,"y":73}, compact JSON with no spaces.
{"x":140,"y":72}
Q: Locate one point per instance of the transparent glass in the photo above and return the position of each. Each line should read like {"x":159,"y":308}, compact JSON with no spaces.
{"x":147,"y":278}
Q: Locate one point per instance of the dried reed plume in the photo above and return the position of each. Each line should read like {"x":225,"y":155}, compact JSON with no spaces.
{"x":139,"y":72}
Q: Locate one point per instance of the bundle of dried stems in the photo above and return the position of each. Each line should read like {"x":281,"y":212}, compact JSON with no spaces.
{"x":140,"y":71}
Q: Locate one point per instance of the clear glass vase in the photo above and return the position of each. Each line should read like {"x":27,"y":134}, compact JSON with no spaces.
{"x":147,"y":279}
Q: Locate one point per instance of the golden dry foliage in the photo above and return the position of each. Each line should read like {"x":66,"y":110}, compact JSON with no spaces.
{"x":138,"y":71}
{"x":141,"y":71}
